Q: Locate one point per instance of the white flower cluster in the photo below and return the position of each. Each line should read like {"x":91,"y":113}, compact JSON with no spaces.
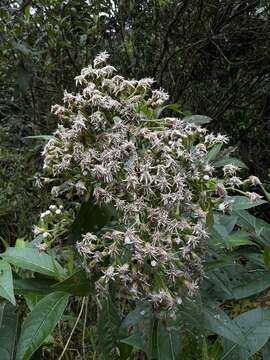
{"x":53,"y":223}
{"x":109,"y":147}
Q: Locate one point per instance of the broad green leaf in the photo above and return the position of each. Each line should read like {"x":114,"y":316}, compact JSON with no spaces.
{"x":228,"y":221}
{"x":243,"y":202}
{"x":246,"y":219}
{"x":8,"y":332}
{"x":108,"y":330}
{"x":220,"y":234}
{"x":40,"y":323}
{"x":91,"y":218}
{"x":239,"y":238}
{"x":37,"y":286}
{"x":78,"y":284}
{"x":213,"y":153}
{"x":140,"y":325}
{"x":6,"y":282}
{"x":231,"y":161}
{"x":168,"y":343}
{"x":218,"y":322}
{"x":32,"y":300}
{"x":174,"y":107}
{"x":198,"y":119}
{"x":33,"y":260}
{"x":252,"y":287}
{"x":255,"y":325}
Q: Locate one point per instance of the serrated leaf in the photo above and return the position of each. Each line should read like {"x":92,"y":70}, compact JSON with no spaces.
{"x":6,"y":282}
{"x":33,"y":260}
{"x":8,"y":332}
{"x":40,"y":323}
{"x":168,"y":343}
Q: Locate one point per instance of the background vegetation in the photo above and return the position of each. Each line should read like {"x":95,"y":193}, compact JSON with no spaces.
{"x":213,"y":57}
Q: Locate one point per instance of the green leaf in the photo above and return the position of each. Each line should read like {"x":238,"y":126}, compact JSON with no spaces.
{"x":32,"y":300}
{"x":255,"y":325}
{"x":174,"y":107}
{"x":168,"y":343}
{"x":214,"y":152}
{"x":37,"y":286}
{"x":231,"y":161}
{"x":266,"y":193}
{"x":33,"y":260}
{"x":91,"y":218}
{"x":252,"y":287}
{"x":198,"y":119}
{"x":78,"y":284}
{"x":8,"y":332}
{"x":108,"y":329}
{"x":40,"y":323}
{"x":140,"y":324}
{"x":6,"y":282}
{"x":242,"y":203}
{"x":218,"y":322}
{"x":239,"y":238}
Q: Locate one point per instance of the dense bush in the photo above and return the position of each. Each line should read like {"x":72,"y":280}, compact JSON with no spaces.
{"x":150,"y":244}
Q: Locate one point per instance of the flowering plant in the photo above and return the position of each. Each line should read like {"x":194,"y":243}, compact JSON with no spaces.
{"x":111,"y":148}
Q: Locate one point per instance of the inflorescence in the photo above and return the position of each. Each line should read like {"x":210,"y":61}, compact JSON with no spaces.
{"x":112,"y":149}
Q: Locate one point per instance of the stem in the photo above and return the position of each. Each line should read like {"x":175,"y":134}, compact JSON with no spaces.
{"x":84,"y":327}
{"x":73,"y":329}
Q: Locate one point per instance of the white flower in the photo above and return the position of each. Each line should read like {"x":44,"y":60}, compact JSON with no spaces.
{"x":230,"y":169}
{"x":254,"y":180}
{"x":36,"y":230}
{"x":101,"y":58}
{"x":153,"y":263}
{"x":45,"y":235}
{"x":253,"y":197}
